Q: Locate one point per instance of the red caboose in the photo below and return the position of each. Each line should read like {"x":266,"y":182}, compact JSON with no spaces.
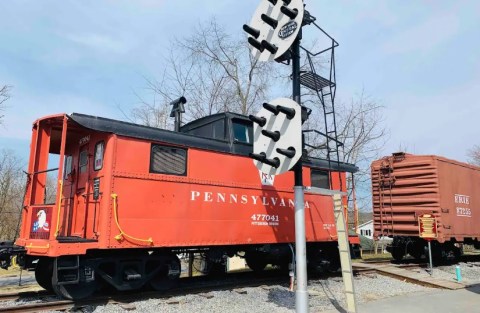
{"x":129,"y":198}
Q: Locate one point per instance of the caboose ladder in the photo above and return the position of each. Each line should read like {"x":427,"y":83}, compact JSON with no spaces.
{"x":343,"y":244}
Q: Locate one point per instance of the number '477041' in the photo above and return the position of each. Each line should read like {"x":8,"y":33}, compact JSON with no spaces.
{"x":264,"y":217}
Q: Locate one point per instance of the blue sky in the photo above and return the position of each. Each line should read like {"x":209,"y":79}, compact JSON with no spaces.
{"x":420,"y":59}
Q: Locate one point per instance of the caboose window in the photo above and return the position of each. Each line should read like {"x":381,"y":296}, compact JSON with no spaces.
{"x":219,"y":129}
{"x":168,"y":160}
{"x":68,"y":165}
{"x":320,"y":179}
{"x":215,"y":130}
{"x":203,"y":131}
{"x":242,"y":131}
{"x":99,"y":156}
{"x":83,"y":161}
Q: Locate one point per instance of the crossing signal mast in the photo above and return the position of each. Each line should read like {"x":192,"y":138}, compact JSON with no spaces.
{"x":274,"y":34}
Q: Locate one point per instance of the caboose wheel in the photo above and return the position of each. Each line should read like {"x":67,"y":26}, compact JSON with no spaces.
{"x":215,"y":269}
{"x":255,"y":261}
{"x":43,"y":273}
{"x":168,"y":274}
{"x":82,"y":289}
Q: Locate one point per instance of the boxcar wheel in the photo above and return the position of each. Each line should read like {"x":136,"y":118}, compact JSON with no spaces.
{"x":398,"y":253}
{"x":44,"y":273}
{"x":168,"y":273}
{"x":334,"y":264}
{"x":81,"y":290}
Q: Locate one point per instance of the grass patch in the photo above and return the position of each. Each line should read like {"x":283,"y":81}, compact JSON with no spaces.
{"x":379,"y":256}
{"x":11,"y":272}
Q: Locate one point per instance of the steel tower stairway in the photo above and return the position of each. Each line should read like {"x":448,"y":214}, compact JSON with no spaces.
{"x":325,"y":89}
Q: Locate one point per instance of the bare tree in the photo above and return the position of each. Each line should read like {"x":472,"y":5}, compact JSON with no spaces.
{"x":153,"y":114}
{"x":474,"y":155}
{"x":11,"y":192}
{"x":217,"y":73}
{"x":214,"y":71}
{"x":361,"y":130}
{"x":4,"y":96}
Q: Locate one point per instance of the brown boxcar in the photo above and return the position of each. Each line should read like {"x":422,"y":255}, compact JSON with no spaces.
{"x":406,"y":186}
{"x":130,"y":198}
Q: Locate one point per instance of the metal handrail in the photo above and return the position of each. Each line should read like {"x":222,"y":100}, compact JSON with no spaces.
{"x":325,"y":135}
{"x":44,"y":171}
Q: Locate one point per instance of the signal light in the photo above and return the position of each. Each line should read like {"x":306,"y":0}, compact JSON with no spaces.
{"x":289,"y":153}
{"x":261,"y":121}
{"x":274,"y":2}
{"x":289,"y":112}
{"x":288,"y":12}
{"x":262,"y":157}
{"x":275,"y":162}
{"x":275,"y":136}
{"x":258,"y":156}
{"x":270,"y":21}
{"x":269,"y":47}
{"x":272,"y":108}
{"x":251,"y":31}
{"x":256,"y":44}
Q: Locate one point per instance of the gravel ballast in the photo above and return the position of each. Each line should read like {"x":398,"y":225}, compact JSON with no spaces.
{"x":325,"y":294}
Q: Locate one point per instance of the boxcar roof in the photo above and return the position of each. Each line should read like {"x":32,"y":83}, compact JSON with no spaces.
{"x":132,"y":130}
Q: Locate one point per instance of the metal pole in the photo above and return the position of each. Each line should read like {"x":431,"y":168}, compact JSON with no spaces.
{"x":177,"y":121}
{"x":430,"y":257}
{"x":190,"y":264}
{"x":301,"y":294}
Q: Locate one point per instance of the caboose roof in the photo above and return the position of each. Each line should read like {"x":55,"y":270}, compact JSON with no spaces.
{"x":132,"y":130}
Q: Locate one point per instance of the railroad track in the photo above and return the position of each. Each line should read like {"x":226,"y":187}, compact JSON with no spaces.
{"x":466,"y":258}
{"x":193,"y":285}
{"x":363,"y":270}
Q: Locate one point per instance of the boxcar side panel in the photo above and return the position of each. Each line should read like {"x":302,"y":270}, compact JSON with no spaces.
{"x":460,"y":199}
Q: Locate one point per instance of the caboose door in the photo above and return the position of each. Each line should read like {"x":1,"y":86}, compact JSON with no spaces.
{"x":81,"y":196}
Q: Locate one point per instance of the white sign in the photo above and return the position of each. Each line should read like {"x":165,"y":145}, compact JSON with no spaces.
{"x":290,"y":131}
{"x":283,"y":36}
{"x":462,"y":202}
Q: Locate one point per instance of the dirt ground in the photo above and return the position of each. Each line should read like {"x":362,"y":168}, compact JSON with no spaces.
{"x":9,"y":281}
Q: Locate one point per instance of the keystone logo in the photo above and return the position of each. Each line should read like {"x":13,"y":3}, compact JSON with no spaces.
{"x":266,"y":179}
{"x":287,"y":30}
